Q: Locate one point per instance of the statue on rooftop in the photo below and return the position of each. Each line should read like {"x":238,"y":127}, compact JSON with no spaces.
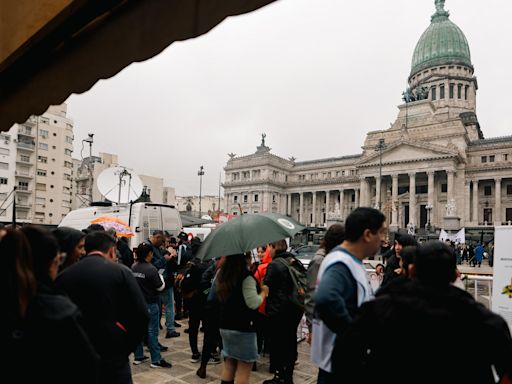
{"x":263,"y":135}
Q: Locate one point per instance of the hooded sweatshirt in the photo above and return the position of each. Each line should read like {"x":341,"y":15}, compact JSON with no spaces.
{"x":260,"y":274}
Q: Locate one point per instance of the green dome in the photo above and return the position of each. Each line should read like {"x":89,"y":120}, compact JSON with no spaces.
{"x":442,"y":43}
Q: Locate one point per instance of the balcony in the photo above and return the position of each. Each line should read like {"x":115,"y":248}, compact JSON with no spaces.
{"x":23,"y":190}
{"x":23,"y":161}
{"x":26,"y":146}
{"x":23,"y":205}
{"x":26,"y":175}
{"x":26,"y":132}
{"x":32,"y":120}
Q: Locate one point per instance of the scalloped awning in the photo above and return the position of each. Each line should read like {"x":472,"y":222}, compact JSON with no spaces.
{"x":51,"y":49}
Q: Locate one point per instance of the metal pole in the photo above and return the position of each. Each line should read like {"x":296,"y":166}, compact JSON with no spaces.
{"x":220,"y":178}
{"x":14,"y":208}
{"x":200,"y":173}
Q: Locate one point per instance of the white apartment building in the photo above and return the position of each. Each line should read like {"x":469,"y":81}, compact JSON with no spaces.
{"x":35,"y":157}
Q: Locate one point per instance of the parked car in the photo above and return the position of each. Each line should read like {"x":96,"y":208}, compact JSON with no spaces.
{"x":305,"y":253}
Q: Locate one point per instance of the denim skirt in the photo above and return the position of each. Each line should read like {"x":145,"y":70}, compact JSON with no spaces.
{"x":239,"y":345}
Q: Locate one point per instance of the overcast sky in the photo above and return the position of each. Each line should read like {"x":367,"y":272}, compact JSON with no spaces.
{"x":314,"y":75}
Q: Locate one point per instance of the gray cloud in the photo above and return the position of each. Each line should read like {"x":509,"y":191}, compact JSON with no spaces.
{"x":314,"y":75}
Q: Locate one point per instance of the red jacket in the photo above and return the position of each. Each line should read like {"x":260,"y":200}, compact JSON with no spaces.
{"x":260,"y":273}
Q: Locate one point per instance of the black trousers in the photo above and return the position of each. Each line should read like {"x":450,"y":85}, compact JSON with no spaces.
{"x":283,"y":344}
{"x":195,"y":315}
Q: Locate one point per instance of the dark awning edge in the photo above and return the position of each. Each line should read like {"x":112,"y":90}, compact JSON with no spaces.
{"x":134,"y":31}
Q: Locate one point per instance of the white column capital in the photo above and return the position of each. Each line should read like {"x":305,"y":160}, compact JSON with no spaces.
{"x":411,"y":174}
{"x":431,"y":173}
{"x":497,"y":179}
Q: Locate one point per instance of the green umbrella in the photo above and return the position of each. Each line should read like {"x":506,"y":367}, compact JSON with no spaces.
{"x":247,"y":232}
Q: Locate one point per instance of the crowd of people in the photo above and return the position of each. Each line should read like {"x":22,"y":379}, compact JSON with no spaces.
{"x":84,"y":299}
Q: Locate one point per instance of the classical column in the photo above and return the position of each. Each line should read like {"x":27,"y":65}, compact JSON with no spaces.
{"x":467,"y":203}
{"x":357,"y":194}
{"x":363,"y":192}
{"x":342,"y":203}
{"x":412,"y":198}
{"x":327,"y":197}
{"x":431,"y":196}
{"x":289,"y":204}
{"x":313,"y":216}
{"x":301,"y":206}
{"x":394,"y":199}
{"x":378,"y":192}
{"x":475,"y":202}
{"x":497,"y":206}
{"x":451,"y":184}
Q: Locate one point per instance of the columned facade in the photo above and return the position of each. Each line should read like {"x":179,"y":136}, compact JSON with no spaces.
{"x":432,"y":163}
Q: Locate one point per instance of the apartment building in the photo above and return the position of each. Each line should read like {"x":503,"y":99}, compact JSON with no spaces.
{"x":35,"y":157}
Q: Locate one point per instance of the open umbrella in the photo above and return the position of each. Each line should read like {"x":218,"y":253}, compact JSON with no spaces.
{"x":247,"y":232}
{"x":110,"y":222}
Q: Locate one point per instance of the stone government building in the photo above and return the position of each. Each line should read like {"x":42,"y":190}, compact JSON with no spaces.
{"x":437,"y":169}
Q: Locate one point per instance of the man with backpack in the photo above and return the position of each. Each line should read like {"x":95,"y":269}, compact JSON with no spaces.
{"x":287,"y":281}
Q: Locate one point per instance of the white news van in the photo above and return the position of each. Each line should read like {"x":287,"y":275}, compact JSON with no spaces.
{"x":144,"y":219}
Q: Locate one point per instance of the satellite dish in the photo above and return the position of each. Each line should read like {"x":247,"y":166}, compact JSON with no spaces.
{"x":119,"y":185}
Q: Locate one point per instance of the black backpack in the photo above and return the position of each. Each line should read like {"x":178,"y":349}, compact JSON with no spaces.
{"x":299,"y":277}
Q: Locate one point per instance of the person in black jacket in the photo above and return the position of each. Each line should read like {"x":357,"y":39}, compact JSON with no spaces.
{"x":48,"y":325}
{"x":284,"y":316}
{"x":151,"y":283}
{"x":420,"y":322}
{"x":114,"y":310}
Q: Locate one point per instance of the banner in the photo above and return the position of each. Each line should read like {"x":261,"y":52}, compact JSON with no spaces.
{"x":458,"y":238}
{"x":502,"y":281}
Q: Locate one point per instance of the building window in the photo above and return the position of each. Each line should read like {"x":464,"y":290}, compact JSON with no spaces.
{"x":484,"y":159}
{"x":41,"y":187}
{"x":491,"y":158}
{"x":256,"y":197}
{"x":245,"y":198}
{"x":403,"y":189}
{"x":40,"y":200}
{"x":41,"y":172}
{"x":488,"y":215}
{"x":441,"y":91}
{"x":23,"y":185}
{"x":43,"y":146}
{"x":421,"y":189}
{"x":45,"y":120}
{"x":235,"y":199}
{"x":67,"y":164}
{"x":508,"y":214}
{"x":68,"y":152}
{"x":452,"y":87}
{"x":509,"y":189}
{"x":487,"y":190}
{"x":459,"y":91}
{"x":43,"y":133}
{"x":3,"y":180}
{"x":25,"y":158}
{"x":434,"y":93}
{"x":466,"y":93}
{"x":273,"y":198}
{"x":444,"y":188}
{"x":4,"y":165}
{"x":235,"y":213}
{"x":69,"y":140}
{"x":4,"y":151}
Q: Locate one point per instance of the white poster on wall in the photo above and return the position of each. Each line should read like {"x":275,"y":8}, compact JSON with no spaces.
{"x":502,"y":281}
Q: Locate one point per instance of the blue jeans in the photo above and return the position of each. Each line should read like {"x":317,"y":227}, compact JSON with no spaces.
{"x":153,"y":331}
{"x":167,"y":299}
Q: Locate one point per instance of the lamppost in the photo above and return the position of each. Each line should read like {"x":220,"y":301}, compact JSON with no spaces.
{"x":380,"y":147}
{"x":428,"y":207}
{"x":200,"y":173}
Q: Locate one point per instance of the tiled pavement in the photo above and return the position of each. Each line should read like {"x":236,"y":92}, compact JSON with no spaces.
{"x":184,"y":371}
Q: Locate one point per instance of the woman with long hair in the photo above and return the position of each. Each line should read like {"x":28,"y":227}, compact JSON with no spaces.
{"x":39,"y":317}
{"x":237,"y":293}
